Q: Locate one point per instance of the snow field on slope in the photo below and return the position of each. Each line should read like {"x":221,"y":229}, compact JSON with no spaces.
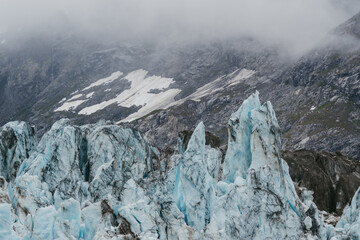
{"x":70,"y":104}
{"x":140,"y":94}
{"x":150,"y":92}
{"x":105,"y":81}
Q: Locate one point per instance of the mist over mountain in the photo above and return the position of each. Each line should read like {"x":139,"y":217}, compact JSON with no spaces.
{"x":295,"y":26}
{"x":104,"y":106}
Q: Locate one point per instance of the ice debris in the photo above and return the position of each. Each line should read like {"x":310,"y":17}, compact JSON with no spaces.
{"x":104,"y":181}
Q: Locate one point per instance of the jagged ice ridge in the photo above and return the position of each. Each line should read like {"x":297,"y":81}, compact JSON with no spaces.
{"x":104,"y":181}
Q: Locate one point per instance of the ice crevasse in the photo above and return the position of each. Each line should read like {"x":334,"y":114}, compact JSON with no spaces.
{"x":104,"y":181}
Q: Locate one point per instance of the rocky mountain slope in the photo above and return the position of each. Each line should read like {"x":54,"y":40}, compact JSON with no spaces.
{"x":42,"y":81}
{"x":332,"y":177}
{"x":316,"y":98}
{"x":161,"y":88}
{"x":104,"y":181}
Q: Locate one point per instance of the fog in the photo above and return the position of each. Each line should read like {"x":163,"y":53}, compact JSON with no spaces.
{"x":295,"y":25}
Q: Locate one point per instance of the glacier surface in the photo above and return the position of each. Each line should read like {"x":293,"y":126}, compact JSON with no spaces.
{"x":104,"y":181}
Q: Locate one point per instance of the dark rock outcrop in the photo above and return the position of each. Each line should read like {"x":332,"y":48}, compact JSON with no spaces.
{"x":333,"y":177}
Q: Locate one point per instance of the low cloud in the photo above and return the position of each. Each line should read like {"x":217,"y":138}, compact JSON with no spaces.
{"x":297,"y":25}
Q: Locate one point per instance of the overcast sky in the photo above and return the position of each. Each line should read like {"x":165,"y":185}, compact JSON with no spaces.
{"x":295,"y":24}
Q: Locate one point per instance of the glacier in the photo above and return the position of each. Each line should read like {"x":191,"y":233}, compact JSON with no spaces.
{"x":104,"y":181}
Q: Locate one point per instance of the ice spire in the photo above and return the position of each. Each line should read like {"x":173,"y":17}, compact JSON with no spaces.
{"x":194,"y":191}
{"x":238,"y":156}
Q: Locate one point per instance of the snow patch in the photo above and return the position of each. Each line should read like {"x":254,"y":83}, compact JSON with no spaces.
{"x":140,"y":95}
{"x":243,"y":74}
{"x":67,"y":106}
{"x":218,"y":84}
{"x":334,"y":98}
{"x":75,"y":97}
{"x":71,"y":104}
{"x":156,"y":101}
{"x":304,"y":141}
{"x":312,"y":108}
{"x":105,"y":81}
{"x":74,"y":92}
{"x":150,"y":92}
{"x":89,"y":95}
{"x":204,"y":90}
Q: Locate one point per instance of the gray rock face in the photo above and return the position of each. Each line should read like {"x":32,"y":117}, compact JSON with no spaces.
{"x":333,"y":178}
